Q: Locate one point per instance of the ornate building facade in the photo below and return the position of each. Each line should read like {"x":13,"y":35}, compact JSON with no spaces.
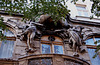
{"x":69,"y":42}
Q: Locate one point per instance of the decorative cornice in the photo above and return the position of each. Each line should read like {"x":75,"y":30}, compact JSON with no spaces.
{"x":69,"y":18}
{"x":82,"y":21}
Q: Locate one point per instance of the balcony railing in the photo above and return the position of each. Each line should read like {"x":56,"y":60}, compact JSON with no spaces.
{"x":5,"y":61}
{"x":51,"y":59}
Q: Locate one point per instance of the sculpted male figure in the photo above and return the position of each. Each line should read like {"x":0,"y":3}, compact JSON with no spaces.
{"x":30,"y":32}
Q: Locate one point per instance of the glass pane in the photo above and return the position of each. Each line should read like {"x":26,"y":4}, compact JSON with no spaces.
{"x":8,"y":33}
{"x":96,"y":60}
{"x":97,"y":40}
{"x":6,"y":49}
{"x":80,"y":8}
{"x":85,"y":14}
{"x":58,"y":49}
{"x":46,"y":49}
{"x":90,"y":41}
{"x":80,"y":13}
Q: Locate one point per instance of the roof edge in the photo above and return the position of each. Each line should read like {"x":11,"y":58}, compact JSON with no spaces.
{"x":82,"y":21}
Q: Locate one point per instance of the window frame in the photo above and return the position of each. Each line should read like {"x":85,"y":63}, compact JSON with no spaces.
{"x":58,"y":53}
{"x":12,"y":38}
{"x":83,"y":12}
{"x":52,"y":43}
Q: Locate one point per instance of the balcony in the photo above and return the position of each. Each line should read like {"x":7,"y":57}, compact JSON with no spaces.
{"x":8,"y":61}
{"x":51,"y":59}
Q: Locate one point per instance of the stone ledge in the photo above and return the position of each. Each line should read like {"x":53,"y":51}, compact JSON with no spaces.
{"x":53,"y":56}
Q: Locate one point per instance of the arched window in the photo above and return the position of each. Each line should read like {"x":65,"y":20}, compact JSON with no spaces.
{"x":8,"y":33}
{"x":91,"y":47}
{"x":51,"y":44}
{"x":7,"y":46}
{"x":92,"y":40}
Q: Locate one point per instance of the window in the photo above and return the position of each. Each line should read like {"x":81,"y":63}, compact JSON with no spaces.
{"x":91,"y":50}
{"x":92,"y":40}
{"x":51,"y":44}
{"x":6,"y":49}
{"x":82,"y":11}
{"x":40,"y":61}
{"x":8,"y":33}
{"x":7,"y":46}
{"x":96,"y":60}
{"x":46,"y":48}
{"x":58,"y":49}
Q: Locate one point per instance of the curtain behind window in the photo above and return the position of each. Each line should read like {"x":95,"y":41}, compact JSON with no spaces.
{"x":6,"y":49}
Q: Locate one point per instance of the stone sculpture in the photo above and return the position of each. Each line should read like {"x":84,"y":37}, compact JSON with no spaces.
{"x":30,"y":34}
{"x":75,"y":40}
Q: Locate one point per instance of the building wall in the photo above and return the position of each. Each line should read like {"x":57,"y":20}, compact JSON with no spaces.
{"x":20,"y":47}
{"x":74,"y":12}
